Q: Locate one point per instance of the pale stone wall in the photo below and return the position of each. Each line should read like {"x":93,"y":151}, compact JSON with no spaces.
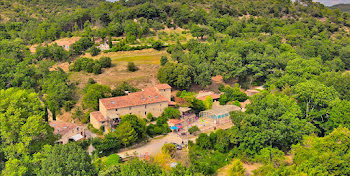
{"x":102,"y":109}
{"x":76,"y":130}
{"x":166,"y":93}
{"x":156,"y":109}
{"x":96,"y":124}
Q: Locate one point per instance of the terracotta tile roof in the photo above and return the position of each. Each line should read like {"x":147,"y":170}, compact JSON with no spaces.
{"x":147,"y":96}
{"x":172,"y":103}
{"x":213,"y":96}
{"x":175,"y":121}
{"x":98,"y":116}
{"x":62,"y":127}
{"x":163,"y":86}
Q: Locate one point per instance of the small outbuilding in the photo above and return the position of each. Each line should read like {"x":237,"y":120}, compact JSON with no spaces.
{"x":219,"y":112}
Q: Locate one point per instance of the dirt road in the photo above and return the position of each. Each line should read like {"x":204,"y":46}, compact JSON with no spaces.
{"x":153,"y":147}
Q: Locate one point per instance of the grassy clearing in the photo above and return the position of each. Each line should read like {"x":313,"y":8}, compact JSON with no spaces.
{"x":146,"y":56}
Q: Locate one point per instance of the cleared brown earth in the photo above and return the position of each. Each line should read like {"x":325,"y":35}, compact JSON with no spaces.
{"x":145,"y":76}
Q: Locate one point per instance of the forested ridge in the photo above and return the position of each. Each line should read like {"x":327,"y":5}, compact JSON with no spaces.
{"x":341,"y":7}
{"x":298,"y":51}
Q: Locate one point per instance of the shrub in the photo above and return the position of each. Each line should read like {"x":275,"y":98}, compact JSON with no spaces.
{"x":157,"y":45}
{"x":193,"y":129}
{"x":81,"y":45}
{"x":132,"y":67}
{"x":120,"y":90}
{"x":163,"y":60}
{"x":87,"y":64}
{"x":149,"y":116}
{"x":171,"y":113}
{"x":86,"y":118}
{"x":232,"y":93}
{"x":94,"y":130}
{"x":221,"y":87}
{"x":78,"y":113}
{"x":91,"y":81}
{"x":236,"y":168}
{"x":105,"y":62}
{"x":97,"y":69}
{"x":94,"y":51}
{"x":169,"y":149}
{"x":178,"y":93}
{"x":237,"y":103}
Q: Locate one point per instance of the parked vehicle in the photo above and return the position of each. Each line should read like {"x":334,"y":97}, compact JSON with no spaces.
{"x":178,"y":147}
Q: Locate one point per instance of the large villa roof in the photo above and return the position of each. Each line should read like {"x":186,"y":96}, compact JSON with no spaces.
{"x":144,"y":97}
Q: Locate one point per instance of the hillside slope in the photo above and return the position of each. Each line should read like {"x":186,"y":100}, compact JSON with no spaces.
{"x":342,"y":7}
{"x":22,"y":10}
{"x":332,"y":2}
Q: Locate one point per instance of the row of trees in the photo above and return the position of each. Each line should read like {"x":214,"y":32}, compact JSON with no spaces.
{"x":90,"y":65}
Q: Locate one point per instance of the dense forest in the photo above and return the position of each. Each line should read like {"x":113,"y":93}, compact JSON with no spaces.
{"x":298,"y":51}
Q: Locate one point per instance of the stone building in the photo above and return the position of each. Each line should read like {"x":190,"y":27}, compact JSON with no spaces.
{"x":150,"y":100}
{"x":69,"y":131}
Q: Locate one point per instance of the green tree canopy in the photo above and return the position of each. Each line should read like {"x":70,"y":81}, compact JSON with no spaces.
{"x":68,"y":159}
{"x":23,"y":129}
{"x":270,"y":120}
{"x":94,"y":92}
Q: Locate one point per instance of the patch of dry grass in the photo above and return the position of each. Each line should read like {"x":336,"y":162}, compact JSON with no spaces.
{"x":146,"y":56}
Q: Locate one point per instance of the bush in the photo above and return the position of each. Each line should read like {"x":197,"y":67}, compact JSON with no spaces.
{"x":105,"y":62}
{"x":171,"y":113}
{"x":221,"y":87}
{"x":87,"y":64}
{"x":237,"y":103}
{"x":120,"y":90}
{"x":78,"y":114}
{"x":91,"y":81}
{"x":94,"y":92}
{"x":81,"y":45}
{"x":163,"y":60}
{"x":178,"y":93}
{"x":94,"y":130}
{"x":53,"y":52}
{"x":161,"y":127}
{"x":106,"y":146}
{"x":97,"y":69}
{"x":236,"y":168}
{"x":94,"y":51}
{"x":132,"y":67}
{"x":169,"y":149}
{"x":86,"y":118}
{"x":157,"y":45}
{"x":193,"y":129}
{"x":150,"y":116}
{"x":231,"y":94}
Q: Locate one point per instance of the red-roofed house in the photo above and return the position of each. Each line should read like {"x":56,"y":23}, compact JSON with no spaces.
{"x":202,"y":95}
{"x":68,"y":131}
{"x":150,"y":100}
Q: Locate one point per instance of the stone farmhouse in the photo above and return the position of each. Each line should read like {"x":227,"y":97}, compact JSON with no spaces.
{"x":69,"y":131}
{"x":150,"y":100}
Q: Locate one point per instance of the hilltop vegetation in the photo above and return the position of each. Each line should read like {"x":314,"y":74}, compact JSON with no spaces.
{"x":299,"y":51}
{"x":341,"y":7}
